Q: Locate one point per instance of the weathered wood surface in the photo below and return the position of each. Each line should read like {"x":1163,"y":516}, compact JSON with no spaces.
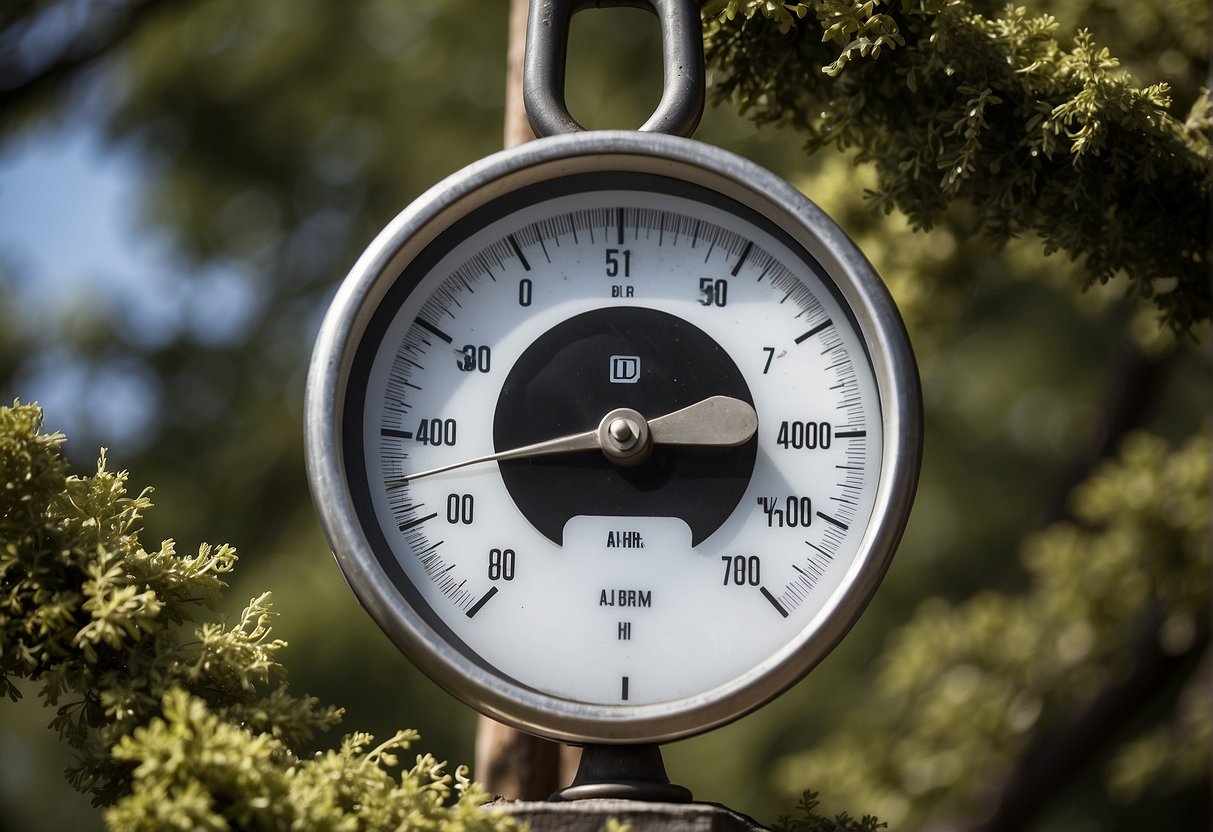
{"x":592,"y":816}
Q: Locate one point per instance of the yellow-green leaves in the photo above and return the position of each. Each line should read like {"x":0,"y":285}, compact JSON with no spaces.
{"x":239,"y":656}
{"x":194,"y":768}
{"x":1034,"y":129}
{"x":178,"y":722}
{"x":966,"y":688}
{"x":784,"y":15}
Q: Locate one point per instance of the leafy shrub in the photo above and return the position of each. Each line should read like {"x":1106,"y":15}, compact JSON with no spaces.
{"x":178,"y":720}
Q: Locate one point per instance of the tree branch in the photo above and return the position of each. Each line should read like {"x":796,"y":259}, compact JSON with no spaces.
{"x":517,"y":127}
{"x":1059,"y":755}
{"x":1133,"y":380}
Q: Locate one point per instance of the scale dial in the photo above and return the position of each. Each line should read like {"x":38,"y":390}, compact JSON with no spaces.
{"x":746,"y":407}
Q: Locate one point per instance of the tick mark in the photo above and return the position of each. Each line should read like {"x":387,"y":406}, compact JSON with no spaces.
{"x":404,"y":527}
{"x":821,"y":551}
{"x":766,"y":593}
{"x":484,"y":599}
{"x":833,"y":520}
{"x":745,"y":252}
{"x":814,"y":331}
{"x":850,"y":434}
{"x":399,"y":434}
{"x":624,"y":690}
{"x":429,"y":327}
{"x":518,"y":251}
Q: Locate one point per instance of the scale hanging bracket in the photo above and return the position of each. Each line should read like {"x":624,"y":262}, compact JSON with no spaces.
{"x":547,"y":38}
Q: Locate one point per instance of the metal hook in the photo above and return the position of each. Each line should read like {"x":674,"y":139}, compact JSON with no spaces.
{"x":547,"y":38}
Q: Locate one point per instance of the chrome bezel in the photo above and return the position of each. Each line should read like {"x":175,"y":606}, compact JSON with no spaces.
{"x":888,"y":350}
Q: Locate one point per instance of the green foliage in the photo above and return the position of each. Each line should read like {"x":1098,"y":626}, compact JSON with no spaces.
{"x":220,"y":774}
{"x":277,"y":137}
{"x":1171,"y":755}
{"x":178,"y":722}
{"x":953,"y":105}
{"x":966,"y":689}
{"x":810,"y":821}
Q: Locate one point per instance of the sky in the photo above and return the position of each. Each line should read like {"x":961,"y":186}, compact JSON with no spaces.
{"x":70,"y":238}
{"x":62,"y":204}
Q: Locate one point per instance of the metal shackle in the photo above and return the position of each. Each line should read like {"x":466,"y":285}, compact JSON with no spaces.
{"x":547,"y":38}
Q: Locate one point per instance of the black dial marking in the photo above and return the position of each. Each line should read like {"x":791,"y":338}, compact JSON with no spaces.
{"x":624,"y":688}
{"x":399,"y":434}
{"x":833,"y":521}
{"x":850,"y":434}
{"x":814,"y":331}
{"x":404,"y":527}
{"x":766,"y":593}
{"x":518,"y":252}
{"x":484,"y":599}
{"x":745,"y":252}
{"x":820,"y":550}
{"x":812,"y":576}
{"x":429,"y":327}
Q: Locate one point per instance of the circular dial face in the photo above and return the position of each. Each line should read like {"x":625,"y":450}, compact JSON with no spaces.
{"x":613,"y":441}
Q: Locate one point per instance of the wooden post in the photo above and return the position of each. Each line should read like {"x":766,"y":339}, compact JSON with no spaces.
{"x":509,"y":763}
{"x":517,"y":129}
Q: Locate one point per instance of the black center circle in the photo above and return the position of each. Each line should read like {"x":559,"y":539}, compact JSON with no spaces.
{"x":591,"y":364}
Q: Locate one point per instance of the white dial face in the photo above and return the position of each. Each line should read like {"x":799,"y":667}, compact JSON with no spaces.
{"x":572,"y":574}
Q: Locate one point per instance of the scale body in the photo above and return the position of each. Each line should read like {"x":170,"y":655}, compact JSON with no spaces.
{"x":526,"y":297}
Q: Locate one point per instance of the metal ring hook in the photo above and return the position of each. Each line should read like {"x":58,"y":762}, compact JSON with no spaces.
{"x":547,"y":38}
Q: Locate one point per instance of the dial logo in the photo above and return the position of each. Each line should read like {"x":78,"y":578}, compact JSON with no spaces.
{"x":625,"y":369}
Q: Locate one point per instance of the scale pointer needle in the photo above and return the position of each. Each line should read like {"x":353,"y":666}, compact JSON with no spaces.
{"x":624,"y":435}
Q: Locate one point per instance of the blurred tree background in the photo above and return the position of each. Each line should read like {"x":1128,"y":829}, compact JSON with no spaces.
{"x":272,"y":140}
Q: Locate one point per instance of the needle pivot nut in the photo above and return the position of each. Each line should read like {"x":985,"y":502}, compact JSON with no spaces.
{"x":623,"y":435}
{"x":623,"y":432}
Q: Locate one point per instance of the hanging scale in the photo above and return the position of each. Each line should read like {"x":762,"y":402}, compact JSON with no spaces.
{"x":613,"y":433}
